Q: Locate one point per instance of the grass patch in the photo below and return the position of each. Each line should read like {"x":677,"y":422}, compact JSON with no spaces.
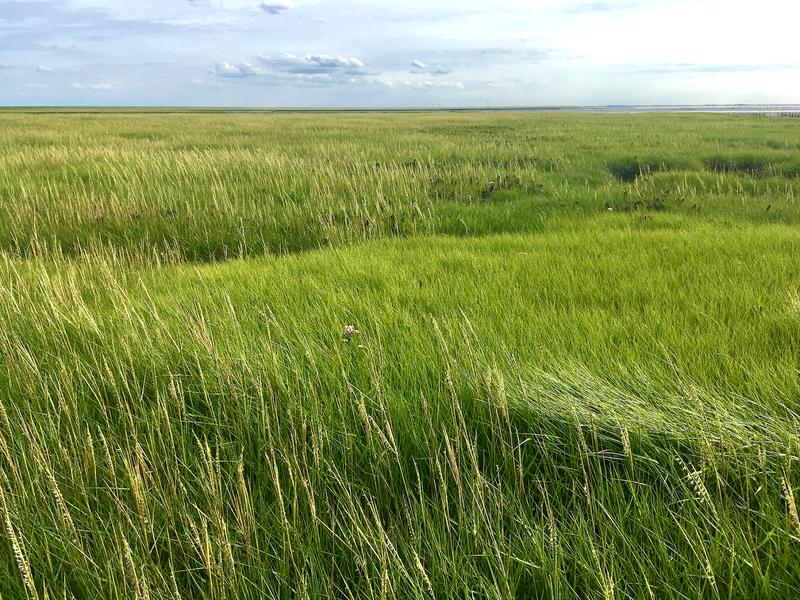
{"x":747,"y":164}
{"x":628,"y":169}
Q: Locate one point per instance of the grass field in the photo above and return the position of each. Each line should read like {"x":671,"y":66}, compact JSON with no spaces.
{"x":399,"y":356}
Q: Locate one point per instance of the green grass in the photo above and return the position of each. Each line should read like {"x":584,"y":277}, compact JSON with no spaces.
{"x":581,"y":381}
{"x":209,"y":187}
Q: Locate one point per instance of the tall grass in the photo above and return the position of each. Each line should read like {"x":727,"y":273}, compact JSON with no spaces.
{"x":210,"y":187}
{"x":581,"y":402}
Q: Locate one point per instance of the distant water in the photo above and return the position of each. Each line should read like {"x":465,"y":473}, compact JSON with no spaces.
{"x":771,"y":109}
{"x":765,"y":109}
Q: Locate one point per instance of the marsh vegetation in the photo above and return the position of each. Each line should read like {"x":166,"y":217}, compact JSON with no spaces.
{"x":397,"y":356}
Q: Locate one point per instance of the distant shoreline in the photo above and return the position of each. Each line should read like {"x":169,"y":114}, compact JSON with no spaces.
{"x":763,"y":109}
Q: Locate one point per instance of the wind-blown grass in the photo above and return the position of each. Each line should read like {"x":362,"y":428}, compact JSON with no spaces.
{"x":580,"y":402}
{"x":210,"y":187}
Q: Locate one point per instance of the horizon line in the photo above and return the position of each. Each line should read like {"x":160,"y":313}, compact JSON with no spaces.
{"x":667,"y":107}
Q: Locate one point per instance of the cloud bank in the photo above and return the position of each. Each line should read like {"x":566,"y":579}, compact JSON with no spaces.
{"x":397,"y":52}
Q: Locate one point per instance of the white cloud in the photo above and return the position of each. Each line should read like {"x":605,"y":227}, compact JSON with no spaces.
{"x":290,"y":69}
{"x":319,"y":67}
{"x":101,"y":86}
{"x":314,"y":63}
{"x":425,"y":84}
{"x":420,"y":67}
{"x":42,"y":69}
{"x":277,"y":7}
{"x":237,"y":70}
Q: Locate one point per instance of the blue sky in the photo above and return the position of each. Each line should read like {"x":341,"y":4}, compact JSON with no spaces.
{"x":398,"y":52}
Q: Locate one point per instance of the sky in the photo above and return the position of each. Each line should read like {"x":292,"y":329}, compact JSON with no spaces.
{"x":398,"y":53}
